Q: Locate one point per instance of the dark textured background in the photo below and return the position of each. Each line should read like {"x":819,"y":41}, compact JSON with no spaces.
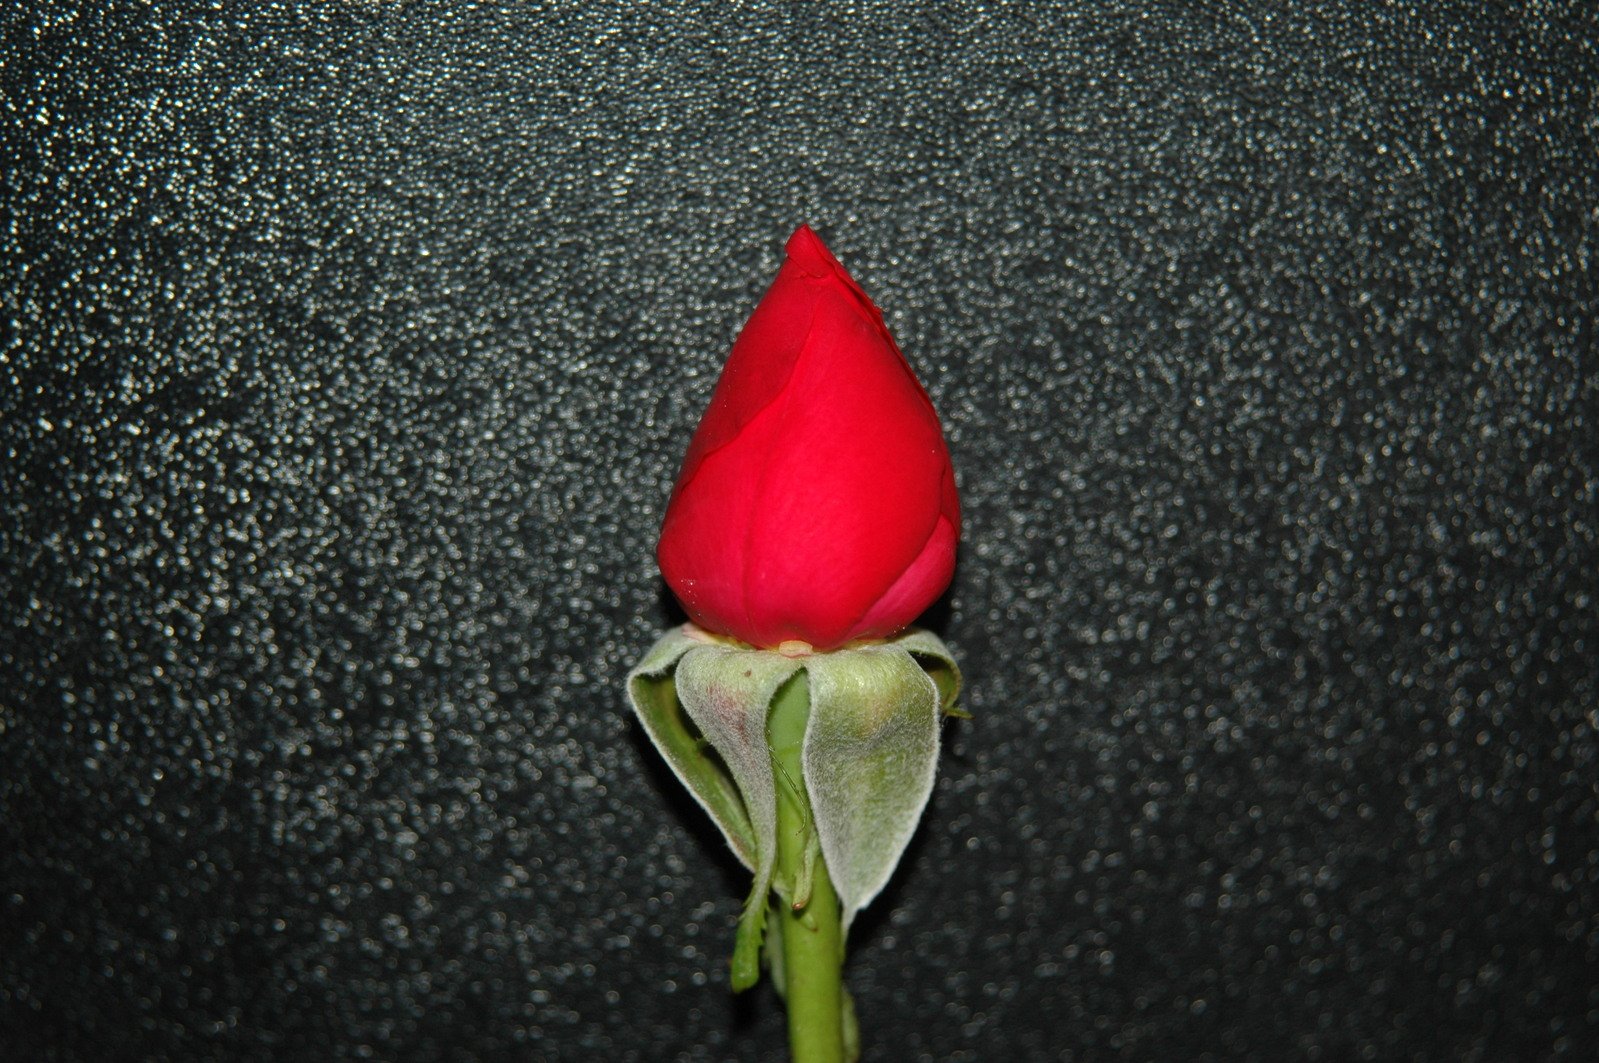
{"x":348,"y":353}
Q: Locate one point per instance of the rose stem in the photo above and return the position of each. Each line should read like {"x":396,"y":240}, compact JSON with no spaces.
{"x":813,"y":942}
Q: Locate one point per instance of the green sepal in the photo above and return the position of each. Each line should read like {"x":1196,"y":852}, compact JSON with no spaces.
{"x":936,"y":660}
{"x":653,"y":692}
{"x":727,"y":692}
{"x":747,"y":941}
{"x":871,"y":748}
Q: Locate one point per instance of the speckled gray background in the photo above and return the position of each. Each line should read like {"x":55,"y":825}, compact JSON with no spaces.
{"x":346,"y":356}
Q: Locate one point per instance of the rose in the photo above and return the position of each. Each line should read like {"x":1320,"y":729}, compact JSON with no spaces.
{"x":817,"y":502}
{"x":816,"y":505}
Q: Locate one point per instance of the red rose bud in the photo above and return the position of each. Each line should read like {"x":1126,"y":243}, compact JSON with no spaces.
{"x":817,"y":502}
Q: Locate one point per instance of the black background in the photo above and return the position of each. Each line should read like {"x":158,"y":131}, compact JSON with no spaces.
{"x":348,"y":354}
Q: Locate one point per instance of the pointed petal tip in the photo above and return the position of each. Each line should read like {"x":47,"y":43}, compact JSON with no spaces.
{"x":802,"y":234}
{"x":806,"y":250}
{"x":811,"y":256}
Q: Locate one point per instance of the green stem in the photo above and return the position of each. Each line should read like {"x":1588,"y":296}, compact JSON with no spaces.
{"x":813,"y":942}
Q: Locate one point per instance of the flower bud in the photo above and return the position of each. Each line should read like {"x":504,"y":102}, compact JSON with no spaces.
{"x":816,"y":503}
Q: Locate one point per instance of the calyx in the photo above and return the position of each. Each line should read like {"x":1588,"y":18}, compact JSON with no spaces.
{"x":869,"y":753}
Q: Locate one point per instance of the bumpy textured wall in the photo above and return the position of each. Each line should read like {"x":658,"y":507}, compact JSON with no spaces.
{"x":348,"y":350}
